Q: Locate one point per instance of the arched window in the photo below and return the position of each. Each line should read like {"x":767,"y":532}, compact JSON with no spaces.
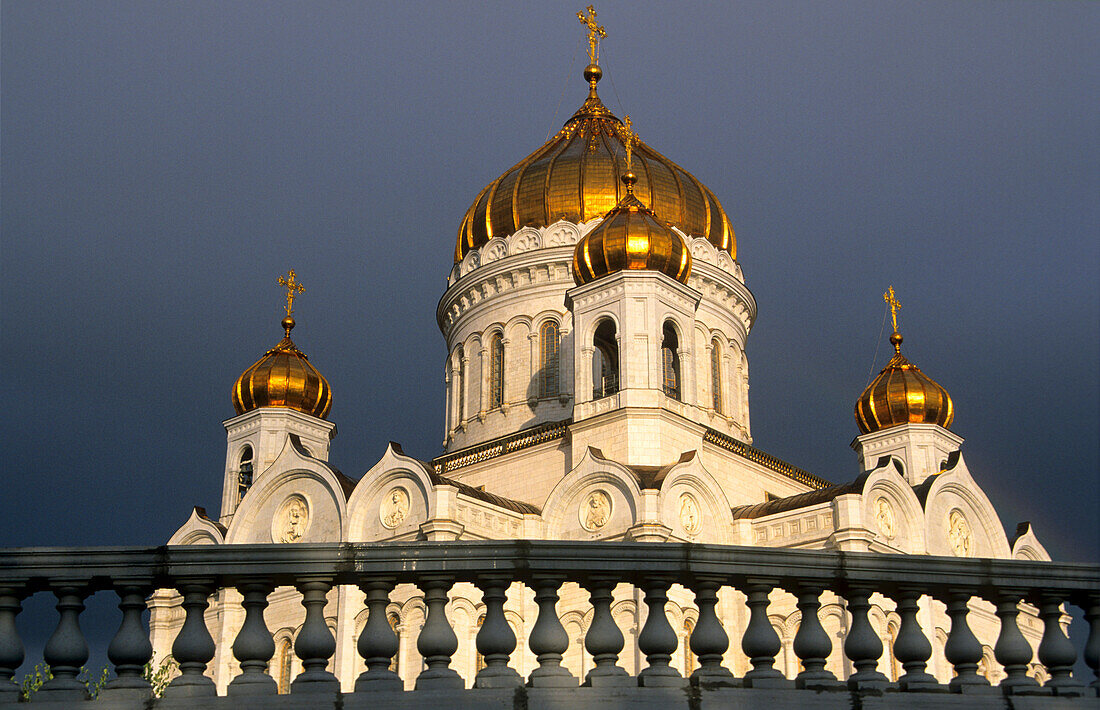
{"x":605,"y":360}
{"x":549,"y":343}
{"x":480,"y":662}
{"x":460,"y":383}
{"x":496,"y":370}
{"x":670,"y":361}
{"x":689,"y":657}
{"x":395,"y":662}
{"x":244,"y":473}
{"x":716,"y":374}
{"x":284,"y":657}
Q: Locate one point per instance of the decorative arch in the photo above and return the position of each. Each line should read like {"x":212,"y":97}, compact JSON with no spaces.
{"x":561,"y":511}
{"x":955,"y":489}
{"x":393,"y":471}
{"x":690,"y":478}
{"x":892,"y":510}
{"x":198,"y":530}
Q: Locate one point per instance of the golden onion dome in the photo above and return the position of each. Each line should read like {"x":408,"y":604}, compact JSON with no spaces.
{"x":902,"y":394}
{"x":630,"y":237}
{"x":283,"y":377}
{"x":575,"y":176}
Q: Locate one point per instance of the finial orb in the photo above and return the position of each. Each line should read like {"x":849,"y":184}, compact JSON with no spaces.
{"x":288,"y":324}
{"x":629,"y":179}
{"x":895,"y":339}
{"x":592,"y":73}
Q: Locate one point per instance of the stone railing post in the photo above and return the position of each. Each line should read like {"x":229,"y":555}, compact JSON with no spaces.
{"x":811,"y":644}
{"x":67,"y":650}
{"x":548,"y":639}
{"x":254,"y":646}
{"x":496,"y":640}
{"x":1012,"y":650}
{"x":760,"y":642}
{"x":604,"y":639}
{"x":378,"y":643}
{"x":657,"y":639}
{"x":912,"y":647}
{"x":862,"y":645}
{"x":193,"y":647}
{"x":437,"y":641}
{"x":130,"y":649}
{"x":315,"y":644}
{"x":1091,"y":606}
{"x":11,"y":646}
{"x":1056,"y":652}
{"x":963,"y":650}
{"x":709,"y":640}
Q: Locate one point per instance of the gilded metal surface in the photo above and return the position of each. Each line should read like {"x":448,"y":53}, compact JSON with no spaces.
{"x":595,"y":33}
{"x":630,"y":237}
{"x":284,"y":377}
{"x":575,"y":176}
{"x":902,"y":394}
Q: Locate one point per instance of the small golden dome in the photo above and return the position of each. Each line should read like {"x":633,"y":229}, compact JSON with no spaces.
{"x":630,"y":237}
{"x":902,"y":394}
{"x":575,"y":176}
{"x":283,"y":377}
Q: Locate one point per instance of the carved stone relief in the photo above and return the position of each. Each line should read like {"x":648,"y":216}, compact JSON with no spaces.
{"x":291,"y":521}
{"x":394,"y":507}
{"x":884,"y":517}
{"x":690,"y":518}
{"x":595,"y":511}
{"x":958,"y":534}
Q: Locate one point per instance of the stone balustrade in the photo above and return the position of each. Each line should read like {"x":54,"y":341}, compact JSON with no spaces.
{"x":196,"y":572}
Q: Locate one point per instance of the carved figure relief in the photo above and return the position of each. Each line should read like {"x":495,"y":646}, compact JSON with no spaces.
{"x":291,"y":522}
{"x":394,"y":508}
{"x":958,"y":534}
{"x":690,"y":518}
{"x":884,"y":517}
{"x":595,"y":512}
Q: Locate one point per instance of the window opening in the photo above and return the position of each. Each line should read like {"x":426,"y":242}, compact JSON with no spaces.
{"x":549,"y":344}
{"x":244,"y":473}
{"x":605,"y":361}
{"x":496,"y":371}
{"x":716,"y":374}
{"x":461,"y":384}
{"x":670,"y":362}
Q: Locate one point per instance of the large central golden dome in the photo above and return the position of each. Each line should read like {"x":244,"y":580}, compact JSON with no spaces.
{"x":575,"y":176}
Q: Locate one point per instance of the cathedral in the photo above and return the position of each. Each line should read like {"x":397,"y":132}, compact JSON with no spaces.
{"x":596,"y":321}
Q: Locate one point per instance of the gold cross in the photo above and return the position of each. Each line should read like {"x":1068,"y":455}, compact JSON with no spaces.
{"x":630,"y":139}
{"x":594,"y":33}
{"x":293,"y":288}
{"x":894,"y":306}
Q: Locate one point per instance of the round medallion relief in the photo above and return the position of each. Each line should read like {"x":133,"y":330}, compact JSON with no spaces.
{"x":595,"y":511}
{"x":958,"y":534}
{"x":884,"y":517}
{"x":394,"y":507}
{"x":690,"y":518}
{"x":291,"y":521}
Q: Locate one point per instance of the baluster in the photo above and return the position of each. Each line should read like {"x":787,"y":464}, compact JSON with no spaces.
{"x":193,"y":647}
{"x":496,"y":640}
{"x":811,"y":644}
{"x":11,"y":647}
{"x":657,"y":639}
{"x":863,"y":646}
{"x":912,"y":647}
{"x":378,"y":642}
{"x":1012,"y":650}
{"x":548,"y":639}
{"x":1092,"y":646}
{"x":760,"y":642}
{"x":67,"y":650}
{"x":254,"y":646}
{"x":604,"y":639}
{"x":1056,"y":652}
{"x":437,"y":641}
{"x":315,"y":644}
{"x":963,"y":650}
{"x":709,"y":640}
{"x":130,"y":649}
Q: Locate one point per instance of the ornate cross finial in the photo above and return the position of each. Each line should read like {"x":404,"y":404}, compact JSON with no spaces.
{"x":630,"y":139}
{"x":293,"y":288}
{"x":894,"y":304}
{"x":595,"y":32}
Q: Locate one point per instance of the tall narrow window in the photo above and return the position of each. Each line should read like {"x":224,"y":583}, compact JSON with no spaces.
{"x":395,"y":662}
{"x":605,"y":361}
{"x":689,"y":658}
{"x":670,"y":362}
{"x":496,"y":371}
{"x":480,"y":662}
{"x":549,"y":343}
{"x":461,"y":384}
{"x":285,"y":658}
{"x":716,"y":374}
{"x":244,"y":473}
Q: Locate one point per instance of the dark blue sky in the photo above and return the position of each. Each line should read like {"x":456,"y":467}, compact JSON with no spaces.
{"x":163,"y":162}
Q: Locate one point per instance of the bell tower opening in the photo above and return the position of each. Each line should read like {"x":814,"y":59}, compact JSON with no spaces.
{"x":605,"y":360}
{"x":670,"y":361}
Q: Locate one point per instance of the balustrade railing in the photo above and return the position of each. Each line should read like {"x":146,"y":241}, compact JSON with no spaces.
{"x":72,"y":574}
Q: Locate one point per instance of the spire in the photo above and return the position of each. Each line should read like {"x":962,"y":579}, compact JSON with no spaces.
{"x":293,"y":288}
{"x":892,"y":301}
